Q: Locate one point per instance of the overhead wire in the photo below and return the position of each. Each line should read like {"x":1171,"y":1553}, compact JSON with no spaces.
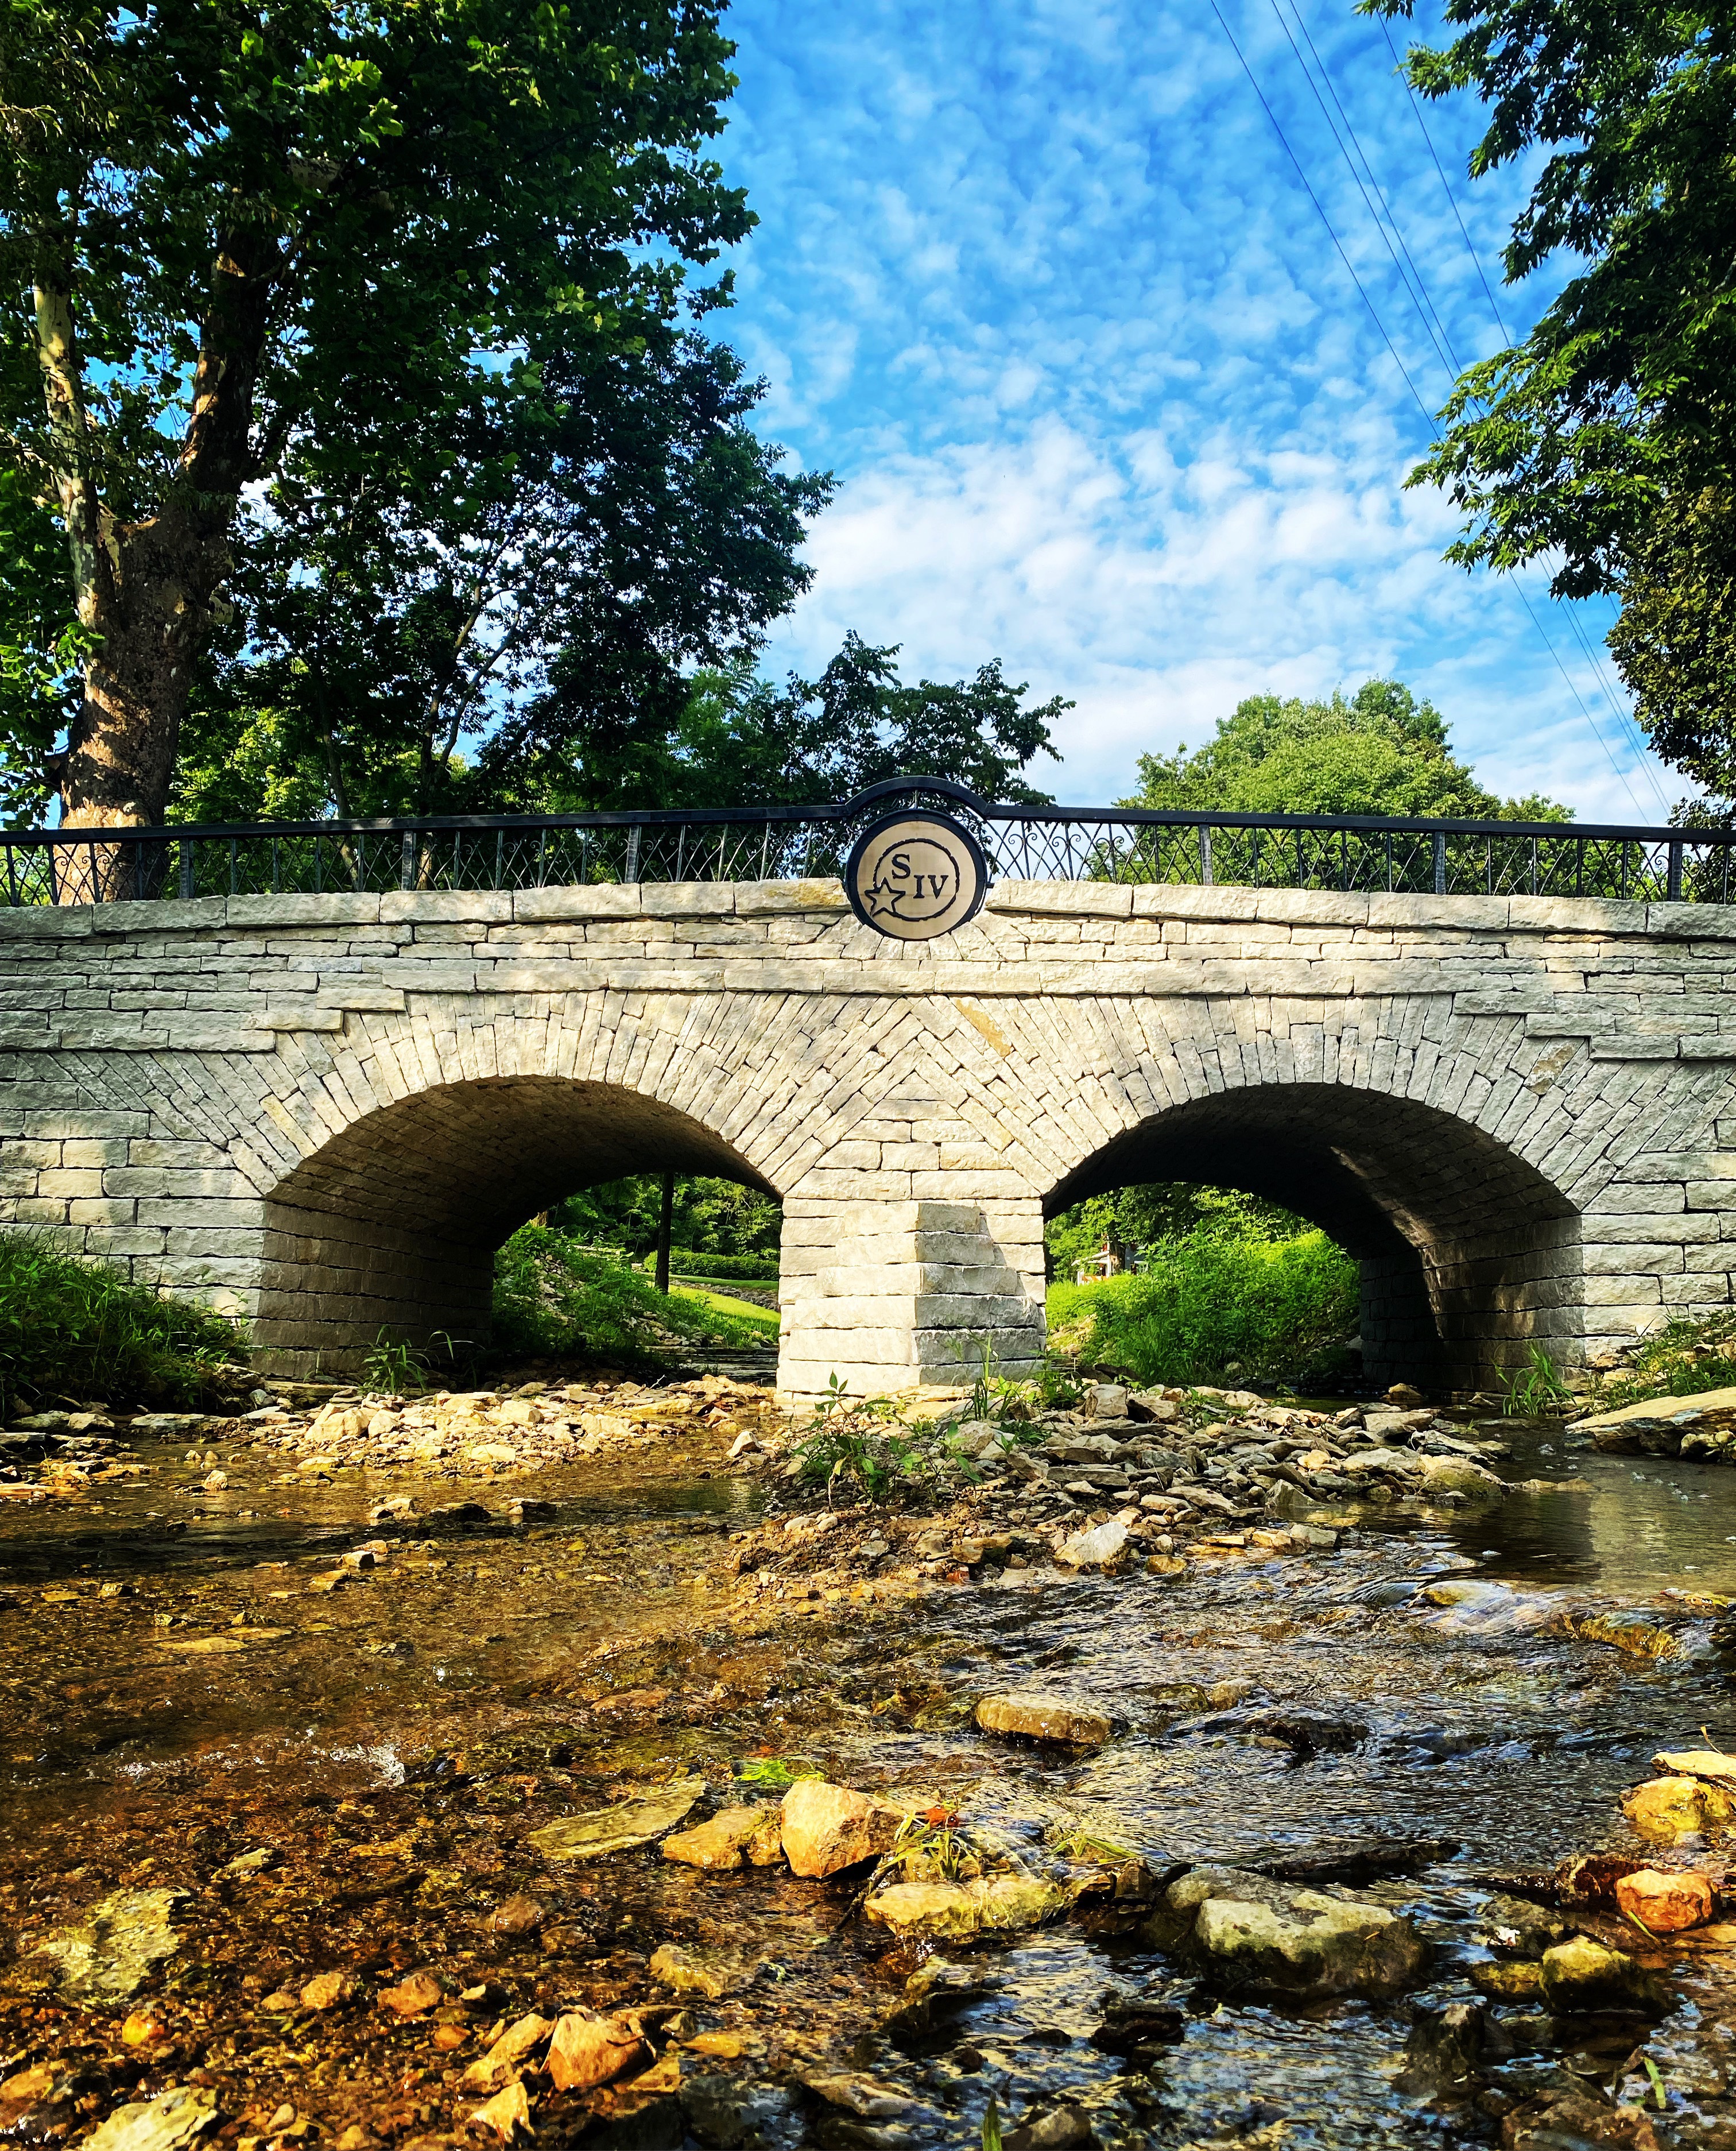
{"x":1626,"y":723}
{"x":1374,"y":313}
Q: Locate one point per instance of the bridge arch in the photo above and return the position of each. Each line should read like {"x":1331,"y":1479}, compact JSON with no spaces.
{"x":393,"y":1222}
{"x":1468,"y":1253}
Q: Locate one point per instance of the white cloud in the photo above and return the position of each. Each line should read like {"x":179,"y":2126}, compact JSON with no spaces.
{"x":1039,"y":282}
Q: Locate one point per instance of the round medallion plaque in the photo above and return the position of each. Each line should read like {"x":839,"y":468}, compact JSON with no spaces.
{"x":916,"y":875}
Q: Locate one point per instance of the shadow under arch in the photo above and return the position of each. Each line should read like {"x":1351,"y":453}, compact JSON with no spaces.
{"x":1468,"y":1254}
{"x":394,"y":1222}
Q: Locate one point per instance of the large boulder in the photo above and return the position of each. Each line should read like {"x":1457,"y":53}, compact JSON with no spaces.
{"x":828,"y":1828}
{"x":1249,"y":1934}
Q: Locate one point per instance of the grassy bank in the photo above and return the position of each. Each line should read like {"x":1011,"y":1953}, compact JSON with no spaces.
{"x":70,"y":1328}
{"x":552,"y":1300}
{"x":1211,"y":1307}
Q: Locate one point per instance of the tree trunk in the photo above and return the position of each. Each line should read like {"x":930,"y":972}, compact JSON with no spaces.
{"x":665,"y":1227}
{"x":149,"y":591}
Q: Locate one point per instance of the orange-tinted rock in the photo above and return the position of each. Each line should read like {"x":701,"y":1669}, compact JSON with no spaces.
{"x":827,"y":1828}
{"x":509,"y":2052}
{"x":587,"y":2051}
{"x":414,"y":1996}
{"x":507,"y":2113}
{"x":326,"y":1989}
{"x":1665,"y":1903}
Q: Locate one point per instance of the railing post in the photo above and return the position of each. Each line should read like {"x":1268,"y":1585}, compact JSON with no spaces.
{"x":631,"y":871}
{"x":1673,"y":887}
{"x":1205,"y":856}
{"x":406,"y":862}
{"x":1439,"y":863}
{"x":188,"y":846}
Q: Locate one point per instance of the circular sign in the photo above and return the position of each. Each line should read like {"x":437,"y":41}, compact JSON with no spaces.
{"x":914,"y":876}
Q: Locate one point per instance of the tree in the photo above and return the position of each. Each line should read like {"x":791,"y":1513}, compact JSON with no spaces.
{"x":1604,"y":441}
{"x":231,"y":235}
{"x":732,"y":738}
{"x":1380,"y":752}
{"x":618,"y":519}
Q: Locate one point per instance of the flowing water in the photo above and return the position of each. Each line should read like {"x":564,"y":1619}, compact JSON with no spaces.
{"x":386,"y":1747}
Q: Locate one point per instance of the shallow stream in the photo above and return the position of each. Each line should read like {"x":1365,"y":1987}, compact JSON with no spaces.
{"x":388,"y":1746}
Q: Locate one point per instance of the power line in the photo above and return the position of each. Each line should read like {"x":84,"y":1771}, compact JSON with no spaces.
{"x":1375,"y":316}
{"x":1415,"y":290}
{"x":1325,"y":220}
{"x":1625,"y":722}
{"x":1441,"y":174}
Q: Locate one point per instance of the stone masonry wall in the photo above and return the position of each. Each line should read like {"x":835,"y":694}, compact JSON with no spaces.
{"x":325,"y":1112}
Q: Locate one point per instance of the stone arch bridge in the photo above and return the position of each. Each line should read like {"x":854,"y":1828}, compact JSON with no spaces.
{"x":325,"y":1111}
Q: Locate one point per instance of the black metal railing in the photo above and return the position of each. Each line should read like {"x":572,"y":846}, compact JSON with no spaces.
{"x":1350,"y":853}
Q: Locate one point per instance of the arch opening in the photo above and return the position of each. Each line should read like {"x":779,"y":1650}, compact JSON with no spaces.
{"x":1467,"y":1254}
{"x":394,"y":1223}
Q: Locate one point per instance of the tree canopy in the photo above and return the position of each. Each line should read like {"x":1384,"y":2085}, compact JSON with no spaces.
{"x":1602,"y":442}
{"x":369,"y":321}
{"x":1380,"y":751}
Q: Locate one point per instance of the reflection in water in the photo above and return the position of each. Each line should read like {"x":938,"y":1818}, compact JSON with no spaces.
{"x":1640,"y":1523}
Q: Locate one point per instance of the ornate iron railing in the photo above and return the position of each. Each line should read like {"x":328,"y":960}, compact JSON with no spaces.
{"x":1354,"y":852}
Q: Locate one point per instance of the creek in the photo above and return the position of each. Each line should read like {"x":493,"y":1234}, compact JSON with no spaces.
{"x":177,"y":1697}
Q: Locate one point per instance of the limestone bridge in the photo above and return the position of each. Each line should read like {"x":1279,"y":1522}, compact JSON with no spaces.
{"x":315,"y":1074}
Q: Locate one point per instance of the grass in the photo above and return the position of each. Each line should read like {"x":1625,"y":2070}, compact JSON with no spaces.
{"x":1682,"y":1359}
{"x":1211,"y":1306}
{"x":79,"y":1329}
{"x":761,"y":1322}
{"x":554,"y":1300}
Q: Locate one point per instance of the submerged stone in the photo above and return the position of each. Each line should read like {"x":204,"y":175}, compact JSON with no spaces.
{"x":999,"y":1903}
{"x":1676,"y":1807}
{"x":110,"y":1954}
{"x":1580,"y":1976}
{"x":736,"y":1834}
{"x":172,"y":2118}
{"x":600,"y":1830}
{"x":1045,"y":1717}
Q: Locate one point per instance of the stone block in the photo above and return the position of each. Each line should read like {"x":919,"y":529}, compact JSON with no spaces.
{"x":447,"y":907}
{"x":1590,"y":916}
{"x":363,"y":998}
{"x":782,"y":899}
{"x":62,"y":921}
{"x":1062,"y":899}
{"x":302,"y":911}
{"x":689,"y":899}
{"x":290,"y":1017}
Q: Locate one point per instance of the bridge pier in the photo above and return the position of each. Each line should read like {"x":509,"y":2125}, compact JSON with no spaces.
{"x":894,"y":1295}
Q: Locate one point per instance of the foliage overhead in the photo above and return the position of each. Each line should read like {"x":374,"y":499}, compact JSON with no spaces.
{"x":735,"y":737}
{"x":372,"y":320}
{"x":1379,"y":750}
{"x":1603,"y":442}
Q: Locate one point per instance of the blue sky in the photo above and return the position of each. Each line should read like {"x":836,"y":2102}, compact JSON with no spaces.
{"x":1041,"y":283}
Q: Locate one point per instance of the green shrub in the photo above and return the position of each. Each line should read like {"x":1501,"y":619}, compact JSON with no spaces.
{"x":1210,"y":1305}
{"x":552,"y":1300}
{"x":1682,"y":1359}
{"x":694,"y":1263}
{"x":74,"y":1328}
